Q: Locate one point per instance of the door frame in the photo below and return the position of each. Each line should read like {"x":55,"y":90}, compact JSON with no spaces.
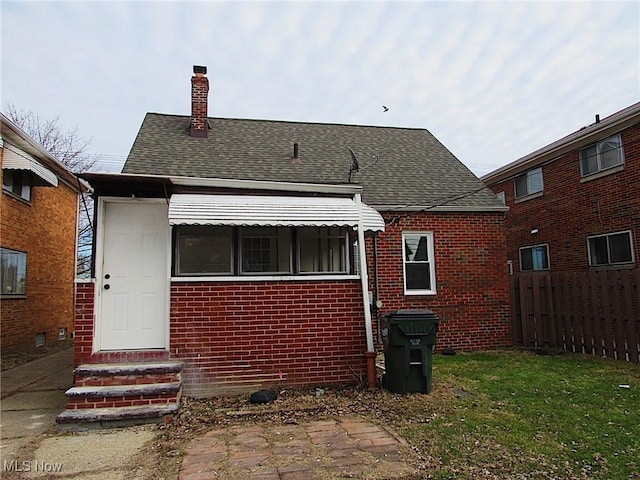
{"x":100,"y":233}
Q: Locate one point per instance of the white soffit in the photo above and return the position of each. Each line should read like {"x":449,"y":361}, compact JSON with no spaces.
{"x":15,"y":159}
{"x":245,"y":210}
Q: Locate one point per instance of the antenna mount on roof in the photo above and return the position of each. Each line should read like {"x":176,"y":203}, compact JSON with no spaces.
{"x":355,"y":166}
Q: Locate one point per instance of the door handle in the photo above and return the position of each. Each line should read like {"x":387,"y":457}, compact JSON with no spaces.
{"x":107,"y":286}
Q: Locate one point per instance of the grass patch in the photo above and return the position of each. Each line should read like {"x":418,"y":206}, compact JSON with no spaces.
{"x":520,"y":415}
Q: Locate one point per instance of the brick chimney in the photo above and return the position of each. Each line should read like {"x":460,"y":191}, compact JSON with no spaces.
{"x":199,"y":100}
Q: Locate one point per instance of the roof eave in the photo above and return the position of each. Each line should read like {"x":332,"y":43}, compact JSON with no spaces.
{"x":583,"y":137}
{"x":441,"y":208}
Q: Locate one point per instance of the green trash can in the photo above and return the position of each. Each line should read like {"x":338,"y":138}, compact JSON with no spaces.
{"x":409,"y":338}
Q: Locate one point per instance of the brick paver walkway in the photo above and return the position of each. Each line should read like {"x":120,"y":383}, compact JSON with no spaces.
{"x":342,"y":448}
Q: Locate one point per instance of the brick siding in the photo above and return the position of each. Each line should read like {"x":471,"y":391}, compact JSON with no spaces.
{"x":569,"y":211}
{"x":46,"y":230}
{"x":472,"y":299}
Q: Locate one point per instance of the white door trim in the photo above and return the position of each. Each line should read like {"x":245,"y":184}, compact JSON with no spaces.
{"x":100,"y":235}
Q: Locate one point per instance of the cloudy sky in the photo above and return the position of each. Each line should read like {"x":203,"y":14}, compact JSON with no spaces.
{"x":492,"y":81}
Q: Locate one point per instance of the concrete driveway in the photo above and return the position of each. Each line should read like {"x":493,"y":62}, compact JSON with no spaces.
{"x":32,"y":396}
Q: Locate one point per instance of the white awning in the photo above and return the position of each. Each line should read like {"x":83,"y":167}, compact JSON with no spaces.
{"x":15,"y":159}
{"x":247,"y":210}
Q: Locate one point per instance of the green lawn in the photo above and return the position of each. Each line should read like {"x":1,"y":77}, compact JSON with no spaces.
{"x":511,"y":414}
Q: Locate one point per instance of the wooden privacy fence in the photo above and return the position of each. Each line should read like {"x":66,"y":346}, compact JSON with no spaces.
{"x":589,"y":312}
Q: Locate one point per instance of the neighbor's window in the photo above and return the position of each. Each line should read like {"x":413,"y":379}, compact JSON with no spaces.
{"x":323,"y":249}
{"x":502,"y":198}
{"x":534,"y":258}
{"x":601,"y":156}
{"x":17,"y":182}
{"x":418,"y":263}
{"x":529,"y":183}
{"x":204,"y":250}
{"x":610,"y":249}
{"x":13,"y":266}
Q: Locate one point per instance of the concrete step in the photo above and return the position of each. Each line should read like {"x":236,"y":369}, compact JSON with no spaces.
{"x":112,"y":417}
{"x":124,"y":390}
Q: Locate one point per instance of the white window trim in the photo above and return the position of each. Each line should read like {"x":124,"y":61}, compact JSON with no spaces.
{"x":633,"y":256}
{"x":432,"y":264}
{"x":546,"y":245}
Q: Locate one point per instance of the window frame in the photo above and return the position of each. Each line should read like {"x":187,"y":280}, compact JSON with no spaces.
{"x":598,"y":155}
{"x":611,"y":264}
{"x":531,"y":247}
{"x":240,"y":246}
{"x":527,"y":176}
{"x":431,"y":261}
{"x":293,"y":251}
{"x":20,"y":179}
{"x":19,"y":292}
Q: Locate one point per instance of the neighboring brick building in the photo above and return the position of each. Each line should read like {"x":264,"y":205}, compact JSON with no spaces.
{"x":278,"y":247}
{"x":39,"y":215}
{"x":574,"y":205}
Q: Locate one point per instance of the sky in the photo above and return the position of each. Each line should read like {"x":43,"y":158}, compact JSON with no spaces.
{"x":493,"y":81}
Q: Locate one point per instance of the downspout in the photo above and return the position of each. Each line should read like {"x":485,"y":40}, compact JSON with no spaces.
{"x":370,"y":354}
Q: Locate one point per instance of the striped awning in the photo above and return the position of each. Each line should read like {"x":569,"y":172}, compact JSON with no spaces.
{"x":246,"y":210}
{"x":15,"y":159}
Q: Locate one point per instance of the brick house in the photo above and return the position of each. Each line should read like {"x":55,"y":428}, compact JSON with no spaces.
{"x":276,"y":247}
{"x":573,"y":238}
{"x":39,"y":217}
{"x":574,"y":205}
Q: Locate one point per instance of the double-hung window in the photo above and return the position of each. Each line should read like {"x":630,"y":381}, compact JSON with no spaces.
{"x":222,"y":250}
{"x":13,"y":270}
{"x":418,"y":263}
{"x":534,"y":258}
{"x":610,"y":249}
{"x":529,"y":183}
{"x":601,"y":156}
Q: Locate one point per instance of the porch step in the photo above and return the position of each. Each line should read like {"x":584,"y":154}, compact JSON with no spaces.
{"x":127,"y":392}
{"x":116,"y":416}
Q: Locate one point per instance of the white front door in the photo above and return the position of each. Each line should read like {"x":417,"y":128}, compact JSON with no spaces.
{"x":134,"y":281}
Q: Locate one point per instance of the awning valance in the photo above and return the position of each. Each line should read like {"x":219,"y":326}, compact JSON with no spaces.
{"x":15,"y":159}
{"x":239,"y":210}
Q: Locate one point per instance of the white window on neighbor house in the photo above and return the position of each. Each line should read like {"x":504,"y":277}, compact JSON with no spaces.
{"x":418,"y":263}
{"x":534,"y":258}
{"x":501,"y":198}
{"x":610,"y":249}
{"x":529,"y":183}
{"x":13,"y":272}
{"x":17,"y":182}
{"x":601,"y":156}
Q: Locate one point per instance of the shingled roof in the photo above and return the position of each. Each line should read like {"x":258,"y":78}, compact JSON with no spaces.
{"x":399,"y":167}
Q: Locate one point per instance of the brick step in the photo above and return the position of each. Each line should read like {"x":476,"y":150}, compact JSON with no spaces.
{"x":116,"y":416}
{"x":123,"y":391}
{"x":127,"y":373}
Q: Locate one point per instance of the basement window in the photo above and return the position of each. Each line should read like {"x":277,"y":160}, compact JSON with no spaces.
{"x":13,"y":272}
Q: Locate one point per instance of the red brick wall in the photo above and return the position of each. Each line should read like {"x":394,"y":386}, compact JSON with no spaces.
{"x":472,"y":299}
{"x":250,"y":334}
{"x":46,"y":230}
{"x":569,"y":211}
{"x":84,"y":323}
